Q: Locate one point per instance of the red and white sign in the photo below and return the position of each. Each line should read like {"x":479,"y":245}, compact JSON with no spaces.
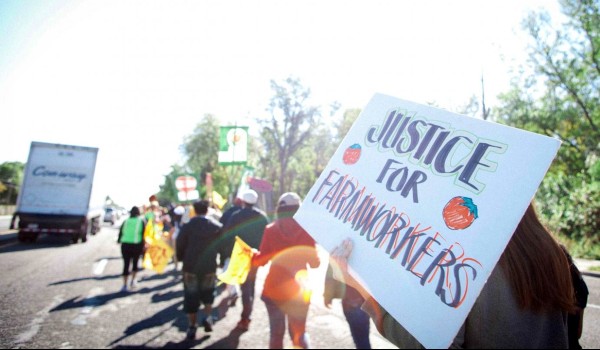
{"x":187,"y":188}
{"x":186,"y":183}
{"x":259,"y":185}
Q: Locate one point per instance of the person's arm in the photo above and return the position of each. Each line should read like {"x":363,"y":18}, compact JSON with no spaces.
{"x":181,"y":242}
{"x":389,"y":328}
{"x":121,"y":232}
{"x":265,"y":251}
{"x":331,"y":289}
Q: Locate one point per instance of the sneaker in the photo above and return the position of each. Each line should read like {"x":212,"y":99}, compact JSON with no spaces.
{"x":191,"y":333}
{"x":243,"y":325}
{"x":133,"y":285}
{"x":207,"y":323}
{"x":124,"y":289}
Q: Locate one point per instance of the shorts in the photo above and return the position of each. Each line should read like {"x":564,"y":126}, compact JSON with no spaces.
{"x":197,"y":289}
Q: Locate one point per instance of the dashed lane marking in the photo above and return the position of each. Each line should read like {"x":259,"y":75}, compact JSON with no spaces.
{"x":99,"y":267}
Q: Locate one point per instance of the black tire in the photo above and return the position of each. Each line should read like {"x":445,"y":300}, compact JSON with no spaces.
{"x":22,"y":237}
{"x":85,"y":227}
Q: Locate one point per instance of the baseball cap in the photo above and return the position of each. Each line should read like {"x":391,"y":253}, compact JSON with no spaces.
{"x":290,"y":199}
{"x":179,"y":210}
{"x":250,"y":197}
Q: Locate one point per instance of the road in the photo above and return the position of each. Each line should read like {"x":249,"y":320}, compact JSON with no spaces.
{"x":59,"y":295}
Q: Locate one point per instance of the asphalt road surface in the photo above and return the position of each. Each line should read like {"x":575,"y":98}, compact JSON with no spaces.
{"x":59,"y":295}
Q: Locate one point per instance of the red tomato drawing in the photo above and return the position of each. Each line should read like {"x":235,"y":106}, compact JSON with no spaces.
{"x":352,"y":154}
{"x":460,"y":213}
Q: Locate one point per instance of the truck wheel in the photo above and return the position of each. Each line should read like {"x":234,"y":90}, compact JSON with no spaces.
{"x":95,"y":226}
{"x":84,"y":232}
{"x":23,"y":237}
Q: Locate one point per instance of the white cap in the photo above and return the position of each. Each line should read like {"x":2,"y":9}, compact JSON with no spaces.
{"x":179,"y":210}
{"x":289,"y":199}
{"x":250,"y":197}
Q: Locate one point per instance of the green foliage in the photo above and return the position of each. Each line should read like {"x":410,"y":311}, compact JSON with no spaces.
{"x":201,"y":150}
{"x":571,"y":205}
{"x":562,"y":100}
{"x":11,"y":178}
{"x":286,"y":132}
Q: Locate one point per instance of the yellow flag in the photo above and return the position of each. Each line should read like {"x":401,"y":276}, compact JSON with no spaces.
{"x":157,"y":255}
{"x":218,"y":199}
{"x":239,"y":263}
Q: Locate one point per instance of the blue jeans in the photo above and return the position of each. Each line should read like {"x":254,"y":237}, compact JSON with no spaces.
{"x":247,"y":290}
{"x":359,"y":322}
{"x":295,"y":312}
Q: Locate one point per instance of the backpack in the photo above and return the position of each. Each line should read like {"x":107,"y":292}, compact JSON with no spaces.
{"x":575,"y":320}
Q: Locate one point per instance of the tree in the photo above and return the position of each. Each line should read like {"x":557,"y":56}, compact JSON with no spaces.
{"x":562,"y":99}
{"x":11,"y":178}
{"x":168,"y":192}
{"x":348,"y":119}
{"x":290,"y":126}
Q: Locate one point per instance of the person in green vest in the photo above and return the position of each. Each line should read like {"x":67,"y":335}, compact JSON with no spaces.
{"x":131,"y":237}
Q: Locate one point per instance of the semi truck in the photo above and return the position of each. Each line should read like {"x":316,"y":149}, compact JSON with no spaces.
{"x":56,"y":194}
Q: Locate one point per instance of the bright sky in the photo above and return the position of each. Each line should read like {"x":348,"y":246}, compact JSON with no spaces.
{"x":134,"y":77}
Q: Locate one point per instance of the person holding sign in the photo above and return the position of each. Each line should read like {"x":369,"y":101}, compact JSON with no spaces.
{"x":524,"y":304}
{"x":291,"y":250}
{"x":249,"y":224}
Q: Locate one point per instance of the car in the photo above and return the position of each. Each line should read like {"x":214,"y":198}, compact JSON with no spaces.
{"x":111,"y":215}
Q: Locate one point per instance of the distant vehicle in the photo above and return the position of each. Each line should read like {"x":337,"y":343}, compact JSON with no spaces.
{"x":111,"y":215}
{"x":56,"y":193}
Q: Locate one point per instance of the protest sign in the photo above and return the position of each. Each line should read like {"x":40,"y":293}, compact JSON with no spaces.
{"x":430,"y":199}
{"x":233,"y":145}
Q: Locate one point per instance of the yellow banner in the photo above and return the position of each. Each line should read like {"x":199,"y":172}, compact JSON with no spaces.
{"x":158,"y":254}
{"x":218,"y":199}
{"x":239,"y":263}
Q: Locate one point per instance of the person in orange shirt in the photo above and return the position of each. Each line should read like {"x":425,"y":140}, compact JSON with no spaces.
{"x":291,"y":251}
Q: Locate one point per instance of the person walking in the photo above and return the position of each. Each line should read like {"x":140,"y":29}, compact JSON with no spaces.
{"x":237,"y":206}
{"x":232,"y":292}
{"x":352,"y":302}
{"x":174,"y":232}
{"x":249,"y":224}
{"x":131,"y":237}
{"x":291,"y":250}
{"x":524,"y":304}
{"x":197,"y":248}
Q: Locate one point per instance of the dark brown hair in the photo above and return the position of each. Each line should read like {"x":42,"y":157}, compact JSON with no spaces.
{"x":537,"y":267}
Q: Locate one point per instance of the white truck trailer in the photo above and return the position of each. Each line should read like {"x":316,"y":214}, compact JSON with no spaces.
{"x":56,"y":193}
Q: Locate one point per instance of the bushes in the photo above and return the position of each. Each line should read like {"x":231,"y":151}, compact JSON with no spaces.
{"x":570,"y":206}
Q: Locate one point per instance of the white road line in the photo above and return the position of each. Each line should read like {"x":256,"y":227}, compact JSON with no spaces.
{"x":100,"y":266}
{"x":593,"y":306}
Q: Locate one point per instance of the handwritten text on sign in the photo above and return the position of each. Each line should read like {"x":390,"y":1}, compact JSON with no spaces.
{"x":424,"y":193}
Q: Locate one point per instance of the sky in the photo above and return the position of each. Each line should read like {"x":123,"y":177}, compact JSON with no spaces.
{"x":133,"y":78}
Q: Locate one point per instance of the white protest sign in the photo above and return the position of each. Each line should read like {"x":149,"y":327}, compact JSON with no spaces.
{"x":430,"y":199}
